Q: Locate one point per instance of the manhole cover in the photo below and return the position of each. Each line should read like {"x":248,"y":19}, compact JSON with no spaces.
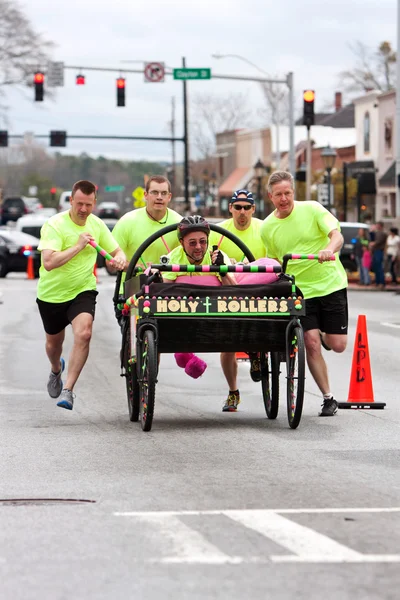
{"x":42,"y":501}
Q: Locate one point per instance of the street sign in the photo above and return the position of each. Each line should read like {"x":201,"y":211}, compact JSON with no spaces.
{"x":55,"y":74}
{"x":114,"y":188}
{"x":138,"y":193}
{"x":323,"y":194}
{"x":192,"y":74}
{"x":139,"y":204}
{"x":32,"y":190}
{"x":154,"y":72}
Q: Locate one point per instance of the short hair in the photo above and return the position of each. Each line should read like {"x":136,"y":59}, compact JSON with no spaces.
{"x":394,"y":230}
{"x":84,"y":186}
{"x":277,"y":177}
{"x":158,"y":179}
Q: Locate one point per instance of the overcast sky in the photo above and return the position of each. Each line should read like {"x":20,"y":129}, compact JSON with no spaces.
{"x":309,"y":37}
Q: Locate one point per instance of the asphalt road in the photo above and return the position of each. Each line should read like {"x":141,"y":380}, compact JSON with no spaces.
{"x":208,"y":504}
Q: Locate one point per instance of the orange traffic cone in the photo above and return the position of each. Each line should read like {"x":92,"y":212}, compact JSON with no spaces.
{"x":95,"y":272}
{"x":30,"y":270}
{"x":361,"y":394}
{"x":242,"y":356}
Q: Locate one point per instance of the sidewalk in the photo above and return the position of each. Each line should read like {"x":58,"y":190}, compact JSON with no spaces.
{"x":389,"y":287}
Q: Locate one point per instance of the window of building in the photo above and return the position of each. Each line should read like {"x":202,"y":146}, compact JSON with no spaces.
{"x":367,"y":132}
{"x":388,"y":132}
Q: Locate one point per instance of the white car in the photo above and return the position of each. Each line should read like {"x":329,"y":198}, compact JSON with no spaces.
{"x":64,"y":203}
{"x":32,"y":224}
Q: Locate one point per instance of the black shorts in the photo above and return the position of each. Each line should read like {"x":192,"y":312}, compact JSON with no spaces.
{"x":56,"y":316}
{"x":327,"y":313}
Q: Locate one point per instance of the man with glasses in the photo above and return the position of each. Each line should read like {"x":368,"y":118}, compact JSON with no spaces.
{"x":308,"y":228}
{"x":247,"y":228}
{"x":137,"y":225}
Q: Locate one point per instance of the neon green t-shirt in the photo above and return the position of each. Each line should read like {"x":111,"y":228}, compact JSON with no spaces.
{"x":250,"y":236}
{"x":305,"y":231}
{"x":178,"y":257}
{"x":76,"y":276}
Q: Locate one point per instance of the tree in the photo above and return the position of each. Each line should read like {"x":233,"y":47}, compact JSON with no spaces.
{"x":22,"y":49}
{"x":214,"y":114}
{"x":373,"y":69}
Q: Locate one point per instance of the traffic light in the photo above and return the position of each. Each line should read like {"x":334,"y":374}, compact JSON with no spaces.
{"x":58,"y":138}
{"x":53,"y":192}
{"x":3,"y":139}
{"x":121,"y":91}
{"x":308,"y":108}
{"x":80,"y":79}
{"x":38,"y":81}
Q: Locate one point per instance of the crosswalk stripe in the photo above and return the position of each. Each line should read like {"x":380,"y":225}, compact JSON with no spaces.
{"x":302,"y":541}
{"x":188,"y":546}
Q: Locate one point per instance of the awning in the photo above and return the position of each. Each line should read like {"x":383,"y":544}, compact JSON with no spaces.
{"x":389,"y":178}
{"x":238,"y":179}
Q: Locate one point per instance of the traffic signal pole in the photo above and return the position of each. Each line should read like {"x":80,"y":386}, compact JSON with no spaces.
{"x":185,"y":142}
{"x":308,"y":165}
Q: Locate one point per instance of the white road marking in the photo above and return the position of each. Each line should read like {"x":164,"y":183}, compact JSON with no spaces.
{"x":189,"y":546}
{"x":394,"y":325}
{"x":305,"y":544}
{"x":302,"y":541}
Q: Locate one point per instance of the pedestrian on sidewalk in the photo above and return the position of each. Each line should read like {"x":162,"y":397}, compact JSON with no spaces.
{"x":393,"y":251}
{"x":362,"y":242}
{"x":366,"y":263}
{"x":378,"y":249}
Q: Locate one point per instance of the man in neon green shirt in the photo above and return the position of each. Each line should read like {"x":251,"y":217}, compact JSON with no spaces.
{"x":66,"y":291}
{"x":244,"y":225}
{"x":248,"y":229}
{"x":308,"y":228}
{"x":137,"y":225}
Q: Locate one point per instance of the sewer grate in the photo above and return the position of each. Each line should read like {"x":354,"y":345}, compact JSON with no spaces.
{"x":42,"y":501}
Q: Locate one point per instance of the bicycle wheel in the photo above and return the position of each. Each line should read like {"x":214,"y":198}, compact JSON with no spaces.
{"x":147,"y":379}
{"x":131,"y":379}
{"x":270,"y":383}
{"x":295,"y":374}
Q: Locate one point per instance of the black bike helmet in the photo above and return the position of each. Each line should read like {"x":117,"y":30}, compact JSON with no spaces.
{"x":190,"y":224}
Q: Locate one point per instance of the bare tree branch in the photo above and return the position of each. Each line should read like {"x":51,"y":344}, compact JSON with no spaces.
{"x":373,"y":70}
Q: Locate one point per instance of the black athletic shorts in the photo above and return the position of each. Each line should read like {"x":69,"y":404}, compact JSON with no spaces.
{"x":327,"y":313}
{"x":56,"y":316}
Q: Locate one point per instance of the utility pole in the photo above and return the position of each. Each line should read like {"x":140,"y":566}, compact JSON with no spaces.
{"x":185,"y":142}
{"x":173,"y":178}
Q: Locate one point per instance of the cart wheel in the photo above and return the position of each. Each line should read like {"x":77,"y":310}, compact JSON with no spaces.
{"x":295,"y":366}
{"x":147,"y":379}
{"x":270,"y":383}
{"x":131,"y":379}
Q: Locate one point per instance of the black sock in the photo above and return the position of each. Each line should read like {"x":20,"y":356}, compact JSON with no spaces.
{"x":234,"y":392}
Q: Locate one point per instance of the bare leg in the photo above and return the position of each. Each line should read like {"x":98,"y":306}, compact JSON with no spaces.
{"x":229,"y":368}
{"x":315,"y":360}
{"x":82,"y":328}
{"x":54,"y":345}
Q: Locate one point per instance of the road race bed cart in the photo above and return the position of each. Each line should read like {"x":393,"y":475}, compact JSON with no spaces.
{"x":162,"y":318}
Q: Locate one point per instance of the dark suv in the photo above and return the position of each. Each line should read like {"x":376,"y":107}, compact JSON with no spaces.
{"x":12,"y":209}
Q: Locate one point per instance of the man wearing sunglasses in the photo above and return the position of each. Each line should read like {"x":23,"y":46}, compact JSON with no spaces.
{"x":247,"y":228}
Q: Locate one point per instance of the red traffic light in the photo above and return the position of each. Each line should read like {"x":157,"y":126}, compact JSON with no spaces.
{"x":38,"y":77}
{"x":53,"y":190}
{"x":120,"y":83}
{"x":80,"y":80}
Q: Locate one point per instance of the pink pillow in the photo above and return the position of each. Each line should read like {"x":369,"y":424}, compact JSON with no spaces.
{"x":258,"y":278}
{"x":199,"y":280}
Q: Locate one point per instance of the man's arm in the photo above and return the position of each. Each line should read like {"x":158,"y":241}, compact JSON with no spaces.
{"x":335,"y":244}
{"x":53,"y":259}
{"x":120,"y":263}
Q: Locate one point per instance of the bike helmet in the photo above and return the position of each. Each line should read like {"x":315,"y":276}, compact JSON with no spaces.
{"x":190,"y":224}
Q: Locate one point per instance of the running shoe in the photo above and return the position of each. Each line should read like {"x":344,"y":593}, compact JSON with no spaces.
{"x":55,"y":384}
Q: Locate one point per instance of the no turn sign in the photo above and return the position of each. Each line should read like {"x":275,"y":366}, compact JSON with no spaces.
{"x":154,"y":72}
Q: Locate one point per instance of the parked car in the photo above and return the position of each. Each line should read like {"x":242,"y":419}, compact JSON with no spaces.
{"x":32,"y":224}
{"x":64,"y":203}
{"x":15,"y":247}
{"x":110,"y":210}
{"x":32,"y":204}
{"x":12,"y":209}
{"x":349,"y":231}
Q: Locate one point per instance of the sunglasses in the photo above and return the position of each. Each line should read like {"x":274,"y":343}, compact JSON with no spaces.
{"x":194,"y":243}
{"x":245,"y":207}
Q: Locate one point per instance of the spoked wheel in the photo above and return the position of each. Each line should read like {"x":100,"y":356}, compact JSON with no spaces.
{"x":270,"y":382}
{"x":131,"y":379}
{"x":147,"y":379}
{"x":295,"y":364}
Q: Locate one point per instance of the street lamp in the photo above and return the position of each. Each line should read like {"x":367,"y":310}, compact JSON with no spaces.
{"x":259,"y":172}
{"x":205,"y":186}
{"x":328,"y":155}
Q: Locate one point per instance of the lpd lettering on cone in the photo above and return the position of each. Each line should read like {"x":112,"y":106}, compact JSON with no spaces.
{"x":361,"y":393}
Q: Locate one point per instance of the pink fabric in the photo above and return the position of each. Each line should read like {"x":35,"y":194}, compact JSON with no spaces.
{"x":258,"y":278}
{"x":195,"y":367}
{"x":366,"y":260}
{"x":199,"y":280}
{"x":182,"y":358}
